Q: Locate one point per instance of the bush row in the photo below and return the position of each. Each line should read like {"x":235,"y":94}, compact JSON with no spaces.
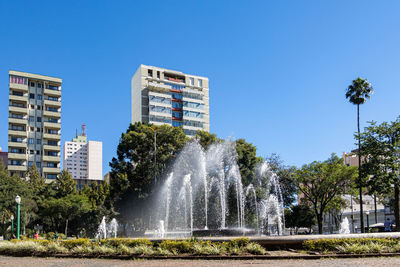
{"x":126,"y":246}
{"x":353,"y":245}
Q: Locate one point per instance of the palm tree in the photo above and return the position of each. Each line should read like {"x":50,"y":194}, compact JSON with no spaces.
{"x":358,"y":92}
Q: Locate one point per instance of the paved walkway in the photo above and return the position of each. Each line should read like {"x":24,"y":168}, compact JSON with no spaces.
{"x":63,"y":262}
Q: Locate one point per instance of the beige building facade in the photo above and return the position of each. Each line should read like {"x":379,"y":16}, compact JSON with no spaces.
{"x":84,"y":160}
{"x":34,"y":124}
{"x":163,"y":96}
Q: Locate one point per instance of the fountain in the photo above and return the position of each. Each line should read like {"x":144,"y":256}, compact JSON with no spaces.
{"x":104,"y":229}
{"x":344,"y":226}
{"x":198,"y":195}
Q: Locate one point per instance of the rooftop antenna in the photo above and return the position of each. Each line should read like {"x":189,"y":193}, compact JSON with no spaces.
{"x":76,"y":134}
{"x":83,"y":129}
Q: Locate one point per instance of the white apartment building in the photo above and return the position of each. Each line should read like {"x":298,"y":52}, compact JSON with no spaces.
{"x":34,"y":124}
{"x":83,"y":159}
{"x":163,"y":96}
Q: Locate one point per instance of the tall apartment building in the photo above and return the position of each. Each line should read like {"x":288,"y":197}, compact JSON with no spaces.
{"x":162,"y":96}
{"x":34,"y":124}
{"x":83,"y":159}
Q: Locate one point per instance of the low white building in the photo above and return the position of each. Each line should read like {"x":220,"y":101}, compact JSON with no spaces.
{"x":83,"y":159}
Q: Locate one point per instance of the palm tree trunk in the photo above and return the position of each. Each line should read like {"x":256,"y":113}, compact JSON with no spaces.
{"x":359,"y":170}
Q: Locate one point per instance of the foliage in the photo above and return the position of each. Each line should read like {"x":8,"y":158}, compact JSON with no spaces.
{"x":129,"y":242}
{"x":255,"y":248}
{"x":206,"y":139}
{"x":72,"y":243}
{"x":176,"y":246}
{"x":380,"y":147}
{"x":286,"y":176}
{"x":299,"y":216}
{"x":321,"y":183}
{"x":340,"y":244}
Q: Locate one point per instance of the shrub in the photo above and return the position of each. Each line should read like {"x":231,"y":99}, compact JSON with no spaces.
{"x":176,"y":246}
{"x":162,"y":251}
{"x":343,"y":244}
{"x":102,"y":250}
{"x":72,"y":243}
{"x":255,"y":248}
{"x":55,"y":248}
{"x":22,"y":248}
{"x":142,"y":250}
{"x":240,"y":242}
{"x":123,"y":250}
{"x":129,"y":242}
{"x":81,"y":250}
{"x":205,"y":249}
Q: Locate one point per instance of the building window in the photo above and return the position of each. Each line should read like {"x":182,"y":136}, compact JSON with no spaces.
{"x":51,"y":176}
{"x":18,"y":80}
{"x":39,"y":85}
{"x":32,"y":152}
{"x":32,"y":129}
{"x":39,"y":119}
{"x":38,"y":164}
{"x":30,"y":163}
{"x":38,"y":152}
{"x":200,"y":83}
{"x":39,"y":97}
{"x":38,"y":107}
{"x":32,"y":106}
{"x":38,"y":129}
{"x":158,"y":74}
{"x":31,"y":119}
{"x":191,"y":80}
{"x":150,"y":73}
{"x":30,"y":141}
{"x":32,"y":84}
{"x":31,"y":96}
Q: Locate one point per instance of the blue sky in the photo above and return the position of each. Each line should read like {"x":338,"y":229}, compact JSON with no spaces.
{"x":278,"y":70}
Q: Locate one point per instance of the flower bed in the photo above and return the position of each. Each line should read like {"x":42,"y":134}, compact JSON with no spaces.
{"x":117,"y":247}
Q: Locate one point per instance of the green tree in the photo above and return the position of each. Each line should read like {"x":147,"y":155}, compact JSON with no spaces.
{"x":380,"y":145}
{"x":358,"y":92}
{"x":286,"y":176}
{"x":133,"y":171}
{"x":321,"y":183}
{"x":65,"y":184}
{"x":206,"y":139}
{"x":299,"y":216}
{"x":247,"y":160}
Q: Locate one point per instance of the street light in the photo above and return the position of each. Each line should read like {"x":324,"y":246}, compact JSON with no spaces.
{"x":18,"y":200}
{"x":367,"y":213}
{"x":12,"y":226}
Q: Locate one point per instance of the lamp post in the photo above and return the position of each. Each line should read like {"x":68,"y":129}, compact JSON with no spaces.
{"x":12,"y":226}
{"x":18,"y":200}
{"x":367,"y":213}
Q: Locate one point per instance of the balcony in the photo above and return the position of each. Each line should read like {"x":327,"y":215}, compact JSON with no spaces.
{"x":52,"y":114}
{"x":52,"y":92}
{"x":16,"y":167}
{"x":18,"y":121}
{"x":18,"y":98}
{"x":52,"y":125}
{"x":51,"y":158}
{"x":50,"y":147}
{"x":17,"y":133}
{"x":158,"y":86}
{"x":55,"y":170}
{"x":18,"y":109}
{"x":189,"y":118}
{"x":16,"y":156}
{"x":52,"y":103}
{"x":16,"y":144}
{"x":21,"y":87}
{"x":51,"y":136}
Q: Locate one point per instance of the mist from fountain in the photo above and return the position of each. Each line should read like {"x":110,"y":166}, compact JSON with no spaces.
{"x":344,"y":226}
{"x":195,"y":193}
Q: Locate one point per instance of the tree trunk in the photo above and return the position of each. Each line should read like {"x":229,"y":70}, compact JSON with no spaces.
{"x":376,"y":210}
{"x":66,"y":228}
{"x":359,"y":171}
{"x":319,"y":221}
{"x":396,"y":205}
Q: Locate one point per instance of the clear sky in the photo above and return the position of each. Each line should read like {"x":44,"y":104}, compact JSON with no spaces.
{"x":278,"y":70}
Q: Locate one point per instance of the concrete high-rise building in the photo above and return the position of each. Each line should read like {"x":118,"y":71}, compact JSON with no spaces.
{"x":163,"y":96}
{"x":83,"y":159}
{"x":34,"y":124}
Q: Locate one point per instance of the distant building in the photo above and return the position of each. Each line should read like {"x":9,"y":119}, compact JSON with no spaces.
{"x":34,"y":124}
{"x":163,"y":96}
{"x":4,"y":158}
{"x":83,"y":159}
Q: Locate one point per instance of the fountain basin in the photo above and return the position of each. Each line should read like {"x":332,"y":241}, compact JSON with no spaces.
{"x":224,"y":232}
